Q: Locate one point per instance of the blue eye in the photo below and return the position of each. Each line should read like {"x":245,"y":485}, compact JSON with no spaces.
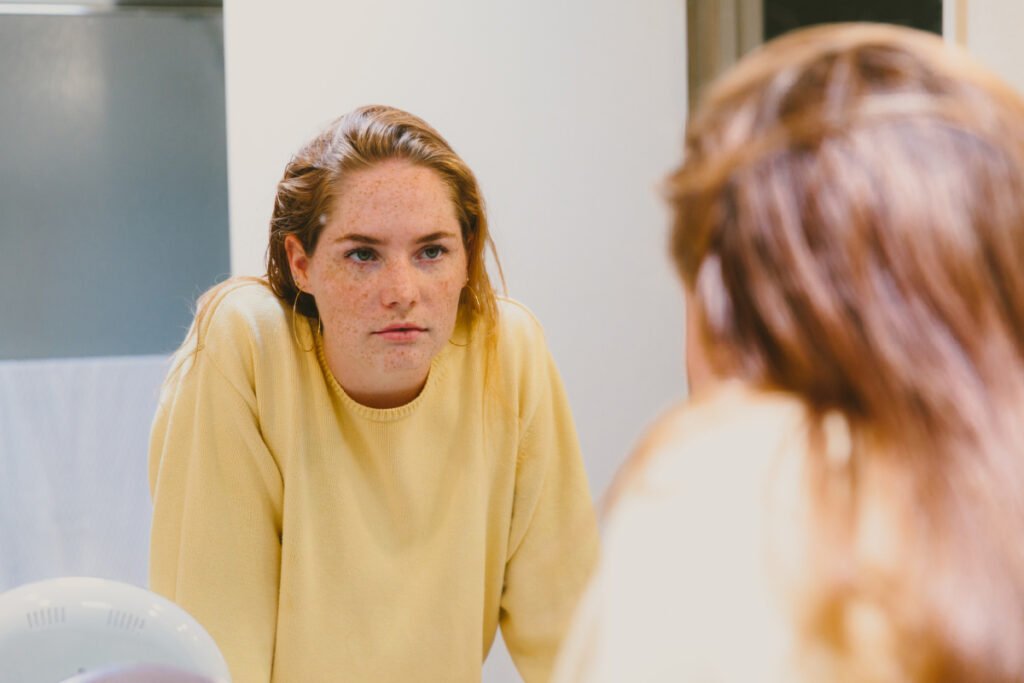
{"x":433,"y":252}
{"x":361,"y":255}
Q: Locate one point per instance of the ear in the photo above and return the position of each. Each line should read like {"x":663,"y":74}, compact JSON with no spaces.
{"x":298,"y":261}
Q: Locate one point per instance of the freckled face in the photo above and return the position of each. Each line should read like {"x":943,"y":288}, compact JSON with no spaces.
{"x":386,"y":273}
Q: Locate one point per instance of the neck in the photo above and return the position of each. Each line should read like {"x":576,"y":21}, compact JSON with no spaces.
{"x":400,"y":388}
{"x":384,"y":399}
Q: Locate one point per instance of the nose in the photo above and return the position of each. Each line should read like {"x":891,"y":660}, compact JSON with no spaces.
{"x":400,"y":289}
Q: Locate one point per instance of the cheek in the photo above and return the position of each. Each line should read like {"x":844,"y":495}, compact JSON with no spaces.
{"x":343,"y":296}
{"x":451,"y":288}
{"x":458,"y":277}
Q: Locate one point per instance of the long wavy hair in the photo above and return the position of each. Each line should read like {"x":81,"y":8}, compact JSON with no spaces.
{"x":849,"y":220}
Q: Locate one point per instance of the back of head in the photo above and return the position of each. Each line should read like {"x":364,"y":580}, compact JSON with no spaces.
{"x":850,"y":223}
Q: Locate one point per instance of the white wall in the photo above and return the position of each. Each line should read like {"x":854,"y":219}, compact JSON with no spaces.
{"x":569,"y":112}
{"x":993,"y":34}
{"x":991,"y":31}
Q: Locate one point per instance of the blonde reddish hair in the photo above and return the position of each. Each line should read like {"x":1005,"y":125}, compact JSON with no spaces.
{"x":849,"y":217}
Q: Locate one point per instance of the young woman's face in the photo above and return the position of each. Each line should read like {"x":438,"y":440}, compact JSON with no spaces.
{"x":386,"y":273}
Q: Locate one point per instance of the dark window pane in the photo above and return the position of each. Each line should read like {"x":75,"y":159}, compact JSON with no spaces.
{"x":113,"y":180}
{"x":781,"y":16}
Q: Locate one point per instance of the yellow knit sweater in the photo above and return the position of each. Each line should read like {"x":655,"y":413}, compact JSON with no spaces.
{"x":318,"y":539}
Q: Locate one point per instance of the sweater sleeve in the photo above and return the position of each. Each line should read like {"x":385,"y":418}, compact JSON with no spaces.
{"x":553,"y":535}
{"x":217,"y":494}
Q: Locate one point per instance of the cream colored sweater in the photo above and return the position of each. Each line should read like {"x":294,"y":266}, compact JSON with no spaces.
{"x":321,"y":540}
{"x":685,"y":590}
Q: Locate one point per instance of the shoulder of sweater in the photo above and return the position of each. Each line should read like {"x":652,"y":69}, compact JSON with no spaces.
{"x":522,"y":346}
{"x":733,"y":432}
{"x":518,"y":324}
{"x":243,"y":306}
{"x":239,"y":320}
{"x":241,"y":298}
{"x":517,"y":311}
{"x":697,"y":504}
{"x":699,"y":509}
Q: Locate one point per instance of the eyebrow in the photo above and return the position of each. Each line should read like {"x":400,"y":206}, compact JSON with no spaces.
{"x":435,"y":236}
{"x":362,"y":239}
{"x":366,"y":239}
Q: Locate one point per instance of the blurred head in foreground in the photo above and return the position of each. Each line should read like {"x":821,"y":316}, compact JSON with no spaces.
{"x":849,"y":226}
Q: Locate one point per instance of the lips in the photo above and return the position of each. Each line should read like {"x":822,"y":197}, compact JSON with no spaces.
{"x":400,"y":332}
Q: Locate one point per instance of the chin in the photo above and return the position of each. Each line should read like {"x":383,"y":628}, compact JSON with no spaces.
{"x":407,"y":360}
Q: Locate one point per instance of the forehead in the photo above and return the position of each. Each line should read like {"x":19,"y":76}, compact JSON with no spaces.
{"x":394,"y":194}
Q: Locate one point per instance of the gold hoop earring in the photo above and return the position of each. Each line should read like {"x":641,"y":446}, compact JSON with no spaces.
{"x":476,"y":299}
{"x":476,"y":303}
{"x":295,"y":331}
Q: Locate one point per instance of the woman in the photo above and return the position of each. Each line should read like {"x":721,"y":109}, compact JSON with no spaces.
{"x":364,"y":462}
{"x":843,"y":498}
